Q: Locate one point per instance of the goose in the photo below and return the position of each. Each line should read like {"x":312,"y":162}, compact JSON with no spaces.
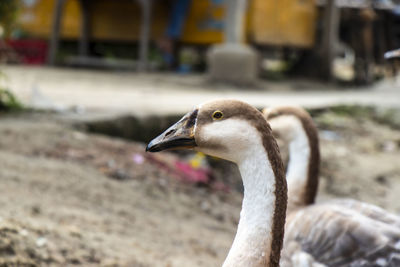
{"x":342,"y":232}
{"x":296,"y":128}
{"x":238,"y":132}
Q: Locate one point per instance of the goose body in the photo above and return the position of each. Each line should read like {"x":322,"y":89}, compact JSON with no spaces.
{"x":237,"y":132}
{"x":337,"y":233}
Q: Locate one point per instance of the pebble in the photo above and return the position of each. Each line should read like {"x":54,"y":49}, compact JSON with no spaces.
{"x":41,"y":241}
{"x":205,"y":206}
{"x":79,"y":136}
{"x":389,"y":146}
{"x":24,"y":232}
{"x":329,"y":135}
{"x":381,"y":179}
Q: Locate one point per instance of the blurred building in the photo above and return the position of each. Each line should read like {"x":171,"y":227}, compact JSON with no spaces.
{"x":151,"y":33}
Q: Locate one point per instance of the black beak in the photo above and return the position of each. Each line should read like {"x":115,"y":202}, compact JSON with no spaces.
{"x":178,"y":136}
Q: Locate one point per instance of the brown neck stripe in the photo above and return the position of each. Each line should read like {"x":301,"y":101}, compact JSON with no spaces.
{"x":313,"y":140}
{"x":278,"y":225}
{"x":241,"y":110}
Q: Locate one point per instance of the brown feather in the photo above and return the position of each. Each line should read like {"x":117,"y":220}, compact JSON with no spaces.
{"x":241,"y":110}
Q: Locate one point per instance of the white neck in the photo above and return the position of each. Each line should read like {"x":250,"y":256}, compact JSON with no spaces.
{"x":297,"y":171}
{"x":252,"y":244}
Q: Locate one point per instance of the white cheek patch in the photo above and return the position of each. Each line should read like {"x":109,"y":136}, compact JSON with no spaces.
{"x":287,"y":126}
{"x":233,"y":138}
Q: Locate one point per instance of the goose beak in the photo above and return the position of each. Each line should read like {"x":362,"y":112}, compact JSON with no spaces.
{"x":178,"y":136}
{"x":392,"y":54}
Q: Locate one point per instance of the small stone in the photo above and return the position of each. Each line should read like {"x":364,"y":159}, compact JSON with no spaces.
{"x":329,"y":135}
{"x":74,"y":231}
{"x":205,"y":205}
{"x":79,"y":136}
{"x":36,"y":210}
{"x":24,"y":232}
{"x":381,"y":262}
{"x":111,"y":163}
{"x":119,"y":175}
{"x":397,"y":245}
{"x":162,"y":182}
{"x":41,"y":241}
{"x":381,"y":179}
{"x":389,"y":146}
{"x":220,"y":217}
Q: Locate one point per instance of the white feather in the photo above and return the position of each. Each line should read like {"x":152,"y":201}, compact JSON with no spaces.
{"x":291,"y":130}
{"x":244,"y":146}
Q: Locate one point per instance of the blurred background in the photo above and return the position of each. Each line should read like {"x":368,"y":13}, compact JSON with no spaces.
{"x":85,"y":84}
{"x":346,"y":40}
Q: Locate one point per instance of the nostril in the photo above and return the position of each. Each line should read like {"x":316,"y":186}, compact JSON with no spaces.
{"x":170,"y":132}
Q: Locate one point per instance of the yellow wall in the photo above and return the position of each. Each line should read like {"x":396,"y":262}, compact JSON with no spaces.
{"x":112,"y":20}
{"x":36,"y":19}
{"x":283,"y":22}
{"x":270,"y":22}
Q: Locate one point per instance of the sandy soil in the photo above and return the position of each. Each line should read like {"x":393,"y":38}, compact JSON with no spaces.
{"x":360,"y":159}
{"x":61,"y":204}
{"x":73,"y":198}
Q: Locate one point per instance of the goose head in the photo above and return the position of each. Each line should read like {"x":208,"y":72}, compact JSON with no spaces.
{"x":236,"y":131}
{"x":295,"y":127}
{"x":287,"y":123}
{"x":222,"y":128}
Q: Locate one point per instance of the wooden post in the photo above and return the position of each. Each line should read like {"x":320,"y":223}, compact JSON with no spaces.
{"x":368,"y":16}
{"x":329,"y":38}
{"x":85,"y":28}
{"x":233,"y":61}
{"x":145,"y":28}
{"x":234,"y":21}
{"x":55,"y":33}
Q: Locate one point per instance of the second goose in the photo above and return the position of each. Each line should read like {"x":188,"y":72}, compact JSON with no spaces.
{"x":341,"y":232}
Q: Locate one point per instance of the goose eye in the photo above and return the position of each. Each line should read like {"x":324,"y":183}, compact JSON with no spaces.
{"x":217,"y":115}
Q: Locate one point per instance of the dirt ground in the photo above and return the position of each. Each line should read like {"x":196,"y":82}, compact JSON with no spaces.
{"x":73,"y":198}
{"x":161,"y":93}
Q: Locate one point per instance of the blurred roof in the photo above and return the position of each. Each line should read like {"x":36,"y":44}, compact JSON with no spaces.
{"x":358,"y":4}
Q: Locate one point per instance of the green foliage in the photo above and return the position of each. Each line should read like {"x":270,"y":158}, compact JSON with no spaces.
{"x":8,"y":102}
{"x":335,"y":115}
{"x":353,"y":110}
{"x":8,"y":14}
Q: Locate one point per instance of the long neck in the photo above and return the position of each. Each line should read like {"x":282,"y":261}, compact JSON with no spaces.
{"x":302,"y":172}
{"x":255,"y":243}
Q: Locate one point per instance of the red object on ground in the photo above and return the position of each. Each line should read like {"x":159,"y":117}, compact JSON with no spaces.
{"x":30,"y":51}
{"x":185,"y":172}
{"x":191,"y":174}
